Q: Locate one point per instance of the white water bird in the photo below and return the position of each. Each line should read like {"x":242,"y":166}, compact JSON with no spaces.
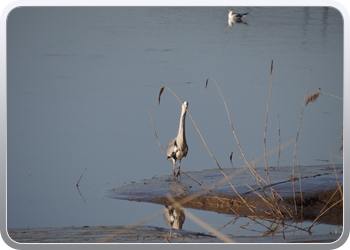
{"x":232,"y":21}
{"x":177,"y":147}
{"x":232,"y":15}
{"x":174,"y":217}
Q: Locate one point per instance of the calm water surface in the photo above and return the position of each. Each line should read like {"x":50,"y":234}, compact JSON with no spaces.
{"x":81,"y":82}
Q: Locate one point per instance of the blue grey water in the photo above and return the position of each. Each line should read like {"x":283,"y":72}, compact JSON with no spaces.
{"x":81,"y":83}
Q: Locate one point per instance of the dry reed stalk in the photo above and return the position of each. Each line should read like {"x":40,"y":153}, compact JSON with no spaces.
{"x":257,"y":222}
{"x":231,"y":221}
{"x":335,"y":171}
{"x":339,"y":157}
{"x":267,"y":112}
{"x":128,"y":228}
{"x":258,"y":179}
{"x":322,"y":212}
{"x":279,"y":141}
{"x":274,"y":204}
{"x":247,"y":224}
{"x":229,"y":117}
{"x":339,"y":188}
{"x":272,"y":191}
{"x":257,"y":176}
{"x":264,"y":200}
{"x":332,"y":95}
{"x":296,"y":139}
{"x":237,"y":172}
{"x":222,"y":171}
{"x":341,"y":138}
{"x":201,"y":223}
{"x":274,"y":227}
{"x":301,"y":193}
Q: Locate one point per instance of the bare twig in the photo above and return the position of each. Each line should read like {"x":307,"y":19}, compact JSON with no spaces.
{"x":81,"y":194}
{"x":80,"y":177}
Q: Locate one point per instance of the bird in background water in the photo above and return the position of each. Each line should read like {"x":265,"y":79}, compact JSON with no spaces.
{"x":177,"y":147}
{"x":232,"y":15}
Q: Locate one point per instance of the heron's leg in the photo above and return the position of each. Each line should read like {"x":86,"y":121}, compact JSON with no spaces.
{"x":178,"y":171}
{"x":174,"y":168}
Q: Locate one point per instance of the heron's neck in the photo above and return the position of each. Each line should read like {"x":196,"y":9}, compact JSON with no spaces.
{"x":181,"y":134}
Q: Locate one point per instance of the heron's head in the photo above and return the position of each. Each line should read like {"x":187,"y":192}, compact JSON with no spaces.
{"x":185,"y":105}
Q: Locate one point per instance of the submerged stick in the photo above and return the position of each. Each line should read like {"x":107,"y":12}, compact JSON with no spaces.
{"x":80,"y":177}
{"x":81,"y":194}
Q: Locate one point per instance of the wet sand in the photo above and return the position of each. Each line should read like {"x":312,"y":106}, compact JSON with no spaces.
{"x":145,"y":235}
{"x":318,"y":186}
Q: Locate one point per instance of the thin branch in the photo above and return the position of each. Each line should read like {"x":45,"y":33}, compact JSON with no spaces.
{"x":80,"y":177}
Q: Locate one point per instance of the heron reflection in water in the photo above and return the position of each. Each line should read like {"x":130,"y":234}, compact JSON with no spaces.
{"x":174,"y":217}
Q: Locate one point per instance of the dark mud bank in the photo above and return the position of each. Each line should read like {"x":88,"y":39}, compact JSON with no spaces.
{"x":317,"y":191}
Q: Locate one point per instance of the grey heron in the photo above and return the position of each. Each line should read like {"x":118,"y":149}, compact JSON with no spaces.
{"x":232,"y":15}
{"x":174,"y":217}
{"x":177,"y":147}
